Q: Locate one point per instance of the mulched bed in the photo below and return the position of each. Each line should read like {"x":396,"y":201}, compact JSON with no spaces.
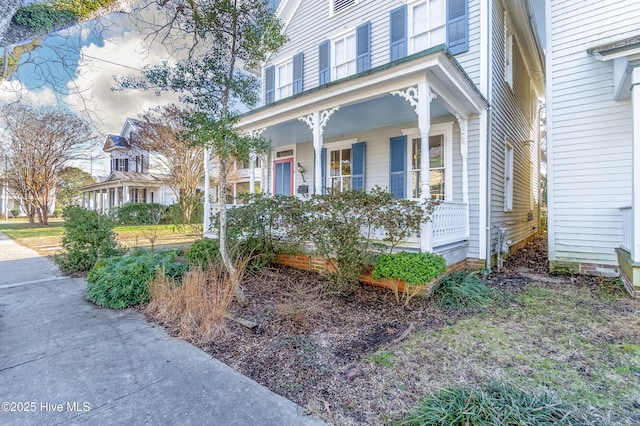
{"x":314,"y":351}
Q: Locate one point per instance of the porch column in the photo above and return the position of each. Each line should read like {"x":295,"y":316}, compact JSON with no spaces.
{"x":252,"y":173}
{"x":635,"y":198}
{"x":116,"y":196}
{"x":95,"y":200}
{"x":81,"y":201}
{"x":420,"y":97}
{"x":464,"y":153}
{"x":207,"y":191}
{"x":264,"y":185}
{"x":316,"y":122}
{"x":125,"y":194}
{"x":424,"y":124}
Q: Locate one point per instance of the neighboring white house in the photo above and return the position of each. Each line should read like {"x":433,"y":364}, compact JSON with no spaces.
{"x":593,"y":137}
{"x":132,"y":177}
{"x":432,"y":98}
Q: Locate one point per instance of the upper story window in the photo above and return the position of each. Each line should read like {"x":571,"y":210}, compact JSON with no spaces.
{"x":338,"y":6}
{"x":508,"y":51}
{"x":120,"y":165}
{"x":421,"y":24}
{"x":284,"y":79}
{"x":427,"y":24}
{"x":344,"y":55}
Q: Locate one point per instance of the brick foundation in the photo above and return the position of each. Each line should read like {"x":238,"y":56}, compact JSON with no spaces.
{"x":319,"y":264}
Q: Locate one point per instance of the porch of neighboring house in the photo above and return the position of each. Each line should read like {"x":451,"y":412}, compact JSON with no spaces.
{"x":409,"y":127}
{"x":105,"y":198}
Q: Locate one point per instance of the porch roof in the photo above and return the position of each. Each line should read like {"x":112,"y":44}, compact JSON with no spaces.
{"x":457,"y":92}
{"x":119,"y":178}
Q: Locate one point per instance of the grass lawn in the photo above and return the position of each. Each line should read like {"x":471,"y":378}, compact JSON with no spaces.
{"x":47,"y":240}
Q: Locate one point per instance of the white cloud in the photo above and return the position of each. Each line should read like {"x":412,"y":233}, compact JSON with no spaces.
{"x":14,"y":91}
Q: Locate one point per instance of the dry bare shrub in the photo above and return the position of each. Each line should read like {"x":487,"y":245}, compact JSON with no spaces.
{"x":304,"y":300}
{"x":194,"y":310}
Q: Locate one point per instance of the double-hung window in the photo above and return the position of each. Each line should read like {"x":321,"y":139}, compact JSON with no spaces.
{"x":427,"y":24}
{"x":437,"y":168}
{"x":284,"y":79}
{"x":344,"y":55}
{"x":340,"y":169}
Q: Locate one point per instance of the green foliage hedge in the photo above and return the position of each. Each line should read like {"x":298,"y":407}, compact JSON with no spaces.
{"x":202,"y":251}
{"x":493,"y":404}
{"x":412,"y":268}
{"x":142,"y":214}
{"x":120,"y":282}
{"x":462,"y":290}
{"x":88,"y":236}
{"x":48,"y":16}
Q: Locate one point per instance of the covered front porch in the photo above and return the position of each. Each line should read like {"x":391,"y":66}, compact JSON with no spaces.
{"x":117,"y":191}
{"x":408,"y":127}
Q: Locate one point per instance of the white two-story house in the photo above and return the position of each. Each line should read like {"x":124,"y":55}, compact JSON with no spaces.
{"x":132,"y":178}
{"x":593,"y":137}
{"x":427,"y":98}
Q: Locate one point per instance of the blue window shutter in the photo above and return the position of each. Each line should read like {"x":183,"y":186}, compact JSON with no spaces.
{"x":398,"y":45}
{"x":363,"y":47}
{"x":298,"y":72}
{"x":269,"y":84}
{"x":323,"y":166}
{"x":325,"y":62}
{"x":358,"y":159}
{"x":457,"y":26}
{"x":398,"y":166}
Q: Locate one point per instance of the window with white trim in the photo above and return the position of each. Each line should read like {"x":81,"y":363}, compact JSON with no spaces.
{"x":340,"y":169}
{"x":338,"y":6}
{"x":508,"y":177}
{"x":437,"y":167}
{"x":427,"y":24}
{"x":508,"y":51}
{"x":284,"y":79}
{"x":344,"y":55}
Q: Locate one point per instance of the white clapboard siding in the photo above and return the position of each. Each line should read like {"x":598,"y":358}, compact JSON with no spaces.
{"x":589,"y":139}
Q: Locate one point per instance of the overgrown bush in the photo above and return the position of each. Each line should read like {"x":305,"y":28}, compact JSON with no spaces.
{"x":493,"y":404}
{"x":88,"y":236}
{"x":203,"y":251}
{"x":43,"y":16}
{"x":120,"y":282}
{"x":141,"y":214}
{"x":462,"y":290}
{"x":415,"y":269}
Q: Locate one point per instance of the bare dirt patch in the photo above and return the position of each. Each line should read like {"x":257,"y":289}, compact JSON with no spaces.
{"x":349,"y":362}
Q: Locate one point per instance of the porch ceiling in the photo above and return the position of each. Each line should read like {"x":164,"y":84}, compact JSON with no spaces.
{"x":374,"y":113}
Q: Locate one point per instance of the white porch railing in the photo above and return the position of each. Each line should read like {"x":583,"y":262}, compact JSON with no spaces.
{"x":627,"y":228}
{"x":449,"y":223}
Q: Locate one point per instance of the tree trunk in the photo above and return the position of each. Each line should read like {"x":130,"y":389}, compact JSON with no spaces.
{"x":222,"y":231}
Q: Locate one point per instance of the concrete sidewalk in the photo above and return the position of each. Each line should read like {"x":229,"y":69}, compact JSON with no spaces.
{"x":65,"y":361}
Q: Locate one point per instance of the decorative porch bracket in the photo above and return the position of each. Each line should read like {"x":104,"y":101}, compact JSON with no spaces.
{"x":420,"y":97}
{"x":316,"y":122}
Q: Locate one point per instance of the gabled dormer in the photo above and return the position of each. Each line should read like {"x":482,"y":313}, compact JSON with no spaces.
{"x":330,"y":40}
{"x":125,"y":155}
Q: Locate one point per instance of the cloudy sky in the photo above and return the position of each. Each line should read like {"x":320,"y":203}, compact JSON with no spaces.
{"x":76,"y":68}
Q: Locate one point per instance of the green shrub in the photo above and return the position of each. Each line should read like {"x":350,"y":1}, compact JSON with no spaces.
{"x":43,"y":16}
{"x":462,"y":290}
{"x":120,"y":282}
{"x":412,"y":268}
{"x":493,"y":404}
{"x":88,"y":236}
{"x":15,"y":212}
{"x":141,"y":214}
{"x":202,"y":251}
